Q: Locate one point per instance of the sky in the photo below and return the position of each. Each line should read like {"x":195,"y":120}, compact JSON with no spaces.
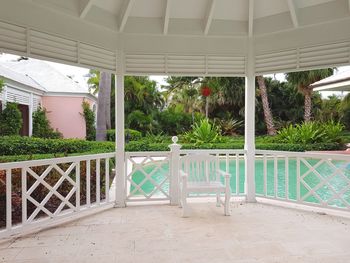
{"x":80,"y":75}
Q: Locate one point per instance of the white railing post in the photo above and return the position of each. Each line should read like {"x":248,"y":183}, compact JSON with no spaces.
{"x":174,"y":164}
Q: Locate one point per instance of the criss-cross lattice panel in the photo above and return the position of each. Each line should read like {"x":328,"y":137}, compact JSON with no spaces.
{"x":49,"y":190}
{"x":325,"y":182}
{"x":147,"y":178}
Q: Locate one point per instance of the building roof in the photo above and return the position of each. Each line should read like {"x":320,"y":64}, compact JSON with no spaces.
{"x":8,"y":73}
{"x":337,"y":82}
{"x":45,"y":75}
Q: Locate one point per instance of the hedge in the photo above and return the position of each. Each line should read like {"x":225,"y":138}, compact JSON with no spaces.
{"x":16,"y":145}
{"x":25,"y":148}
{"x":133,"y":135}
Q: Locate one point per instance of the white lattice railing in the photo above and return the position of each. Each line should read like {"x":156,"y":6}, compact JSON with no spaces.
{"x":313,"y":179}
{"x":147,"y":176}
{"x":148,"y":173}
{"x":35,"y":192}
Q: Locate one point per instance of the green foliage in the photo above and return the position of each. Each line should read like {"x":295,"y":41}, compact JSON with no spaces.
{"x":16,"y":145}
{"x":173,"y":121}
{"x":203,"y":132}
{"x":311,"y":132}
{"x":133,"y":135}
{"x":41,"y":125}
{"x":329,"y":109}
{"x":333,"y":131}
{"x":16,"y":148}
{"x":229,"y":126}
{"x":137,"y":120}
{"x":10,"y":120}
{"x":2,"y":84}
{"x":89,"y":118}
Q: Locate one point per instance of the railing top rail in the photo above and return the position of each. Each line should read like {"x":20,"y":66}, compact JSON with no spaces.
{"x":152,"y":153}
{"x":335,"y":156}
{"x":13,"y":165}
{"x":213,"y":151}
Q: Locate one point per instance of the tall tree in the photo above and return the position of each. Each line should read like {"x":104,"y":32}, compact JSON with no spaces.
{"x":94,"y":86}
{"x":103,"y":96}
{"x":302,"y":80}
{"x":271,"y":130}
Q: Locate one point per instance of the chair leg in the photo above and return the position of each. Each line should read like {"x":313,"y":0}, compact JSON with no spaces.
{"x":218,"y":201}
{"x":180,"y":198}
{"x":227,"y":201}
{"x":185,"y":209}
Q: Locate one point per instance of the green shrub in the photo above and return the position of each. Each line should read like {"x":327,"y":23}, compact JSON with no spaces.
{"x":89,"y":117}
{"x":10,"y":120}
{"x":204,"y":132}
{"x":138,"y":120}
{"x":16,"y":145}
{"x":311,"y":133}
{"x":133,"y":135}
{"x":173,"y":121}
{"x":333,"y":131}
{"x":41,"y":126}
{"x":229,"y":126}
{"x":2,"y":84}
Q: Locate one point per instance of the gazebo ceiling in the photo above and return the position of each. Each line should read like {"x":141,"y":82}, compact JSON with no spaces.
{"x":180,"y":36}
{"x":200,"y":17}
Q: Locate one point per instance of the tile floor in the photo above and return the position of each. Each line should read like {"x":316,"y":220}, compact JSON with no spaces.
{"x":158,"y":233}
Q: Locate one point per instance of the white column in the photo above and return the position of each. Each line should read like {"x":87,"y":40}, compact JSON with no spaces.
{"x":249,"y":144}
{"x":119,"y":136}
{"x":31,"y":104}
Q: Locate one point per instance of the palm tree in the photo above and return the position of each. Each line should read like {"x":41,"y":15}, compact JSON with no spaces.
{"x":184,"y":91}
{"x":94,"y":87}
{"x":302,"y":80}
{"x":271,"y":130}
{"x":103,"y":97}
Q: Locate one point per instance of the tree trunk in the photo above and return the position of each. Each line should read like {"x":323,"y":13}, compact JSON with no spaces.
{"x":271,"y":130}
{"x":108,"y":103}
{"x":307,"y":106}
{"x":101,"y":132}
{"x":206,"y":107}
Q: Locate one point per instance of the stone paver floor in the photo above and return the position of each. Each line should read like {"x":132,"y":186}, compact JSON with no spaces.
{"x":158,"y":233}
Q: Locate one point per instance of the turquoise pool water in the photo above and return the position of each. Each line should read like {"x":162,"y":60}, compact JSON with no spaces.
{"x":338,"y":182}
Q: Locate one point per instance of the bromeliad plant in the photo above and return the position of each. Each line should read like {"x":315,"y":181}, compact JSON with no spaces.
{"x":203,"y":132}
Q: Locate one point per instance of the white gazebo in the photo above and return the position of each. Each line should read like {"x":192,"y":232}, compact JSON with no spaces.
{"x":337,"y":82}
{"x":183,"y":37}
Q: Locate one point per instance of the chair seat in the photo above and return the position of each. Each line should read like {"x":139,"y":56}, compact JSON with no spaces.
{"x":206,"y":186}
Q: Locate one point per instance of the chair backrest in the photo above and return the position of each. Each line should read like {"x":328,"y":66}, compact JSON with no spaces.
{"x":200,"y":167}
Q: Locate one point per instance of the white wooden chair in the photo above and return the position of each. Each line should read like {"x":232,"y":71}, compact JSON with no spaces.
{"x":201,"y":173}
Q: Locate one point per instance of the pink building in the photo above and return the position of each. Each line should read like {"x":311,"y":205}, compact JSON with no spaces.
{"x":32,"y":83}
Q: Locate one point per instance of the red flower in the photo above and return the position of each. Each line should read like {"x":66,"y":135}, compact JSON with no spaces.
{"x":206,"y":91}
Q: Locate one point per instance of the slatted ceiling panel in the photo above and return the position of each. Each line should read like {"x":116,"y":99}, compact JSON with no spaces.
{"x":186,"y":64}
{"x":278,"y":61}
{"x":332,"y":54}
{"x":225,"y":65}
{"x":150,"y":63}
{"x":92,"y":56}
{"x":51,"y":46}
{"x":12,"y":38}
